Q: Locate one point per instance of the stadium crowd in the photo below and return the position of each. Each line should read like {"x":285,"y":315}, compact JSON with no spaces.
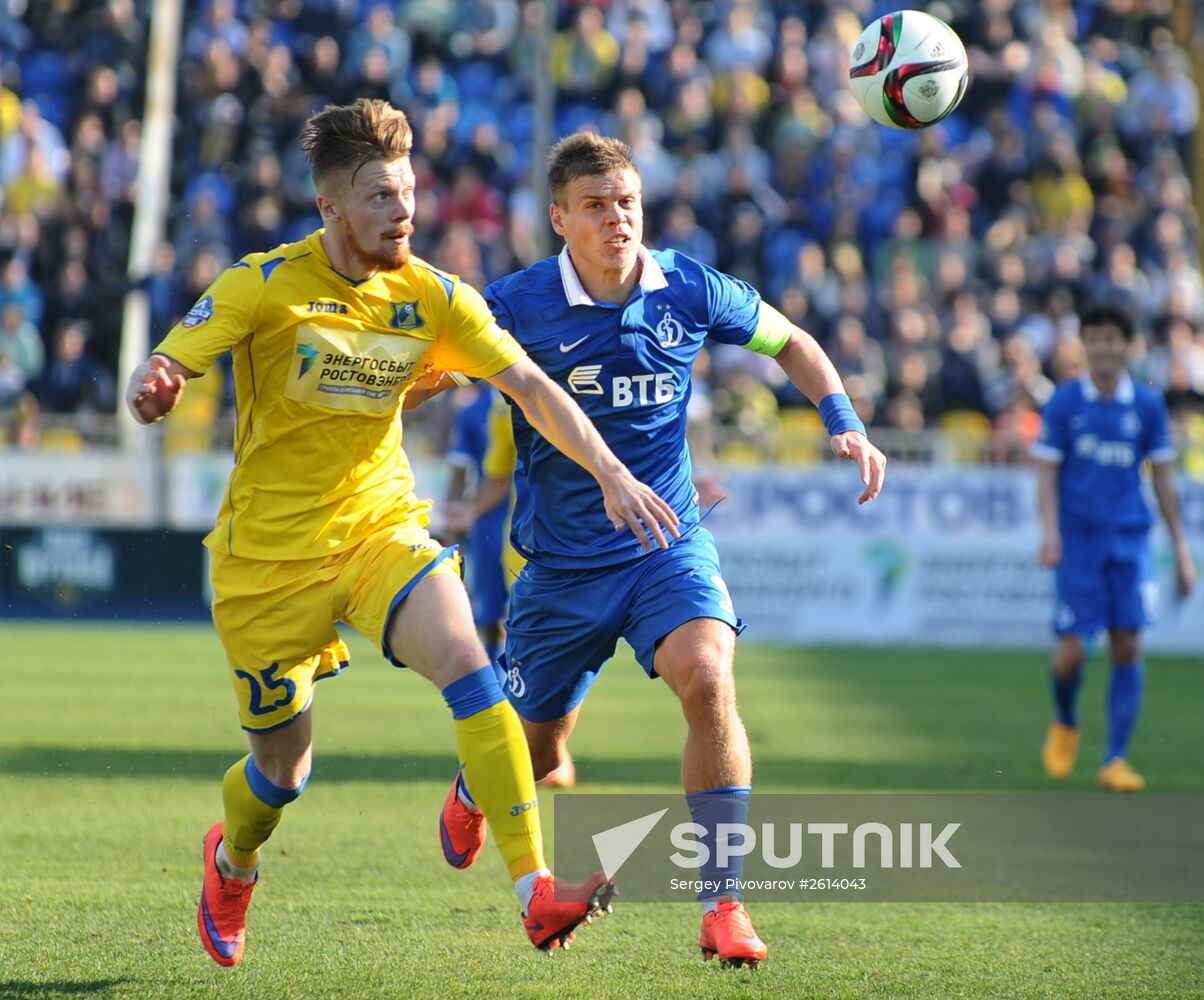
{"x":940,"y":269}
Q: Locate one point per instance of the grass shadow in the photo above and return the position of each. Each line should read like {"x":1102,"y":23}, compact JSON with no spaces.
{"x":122,"y":763}
{"x":24,"y":988}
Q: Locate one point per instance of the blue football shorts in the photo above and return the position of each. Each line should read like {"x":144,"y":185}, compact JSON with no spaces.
{"x":1104,"y":581}
{"x":564,"y":624}
{"x":486,"y":577}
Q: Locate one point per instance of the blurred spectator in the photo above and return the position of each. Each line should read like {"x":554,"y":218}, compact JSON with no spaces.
{"x":472,"y":201}
{"x":1019,"y":375}
{"x":17,"y":286}
{"x":34,"y":189}
{"x":583,"y":58}
{"x":378,"y":54}
{"x":739,"y":41}
{"x":71,"y":295}
{"x":682,"y":232}
{"x":21,"y":354}
{"x":119,"y":164}
{"x":745,"y":412}
{"x":1163,"y":104}
{"x":968,"y":362}
{"x":860,"y":360}
{"x":75,"y":381}
{"x":942,"y":267}
{"x":219,"y":22}
{"x":25,"y":430}
{"x":484,"y":29}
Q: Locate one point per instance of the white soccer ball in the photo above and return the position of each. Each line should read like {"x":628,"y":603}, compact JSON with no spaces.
{"x":908,"y":69}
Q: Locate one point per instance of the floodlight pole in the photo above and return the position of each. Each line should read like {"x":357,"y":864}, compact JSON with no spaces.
{"x":150,"y":215}
{"x":544,"y":103}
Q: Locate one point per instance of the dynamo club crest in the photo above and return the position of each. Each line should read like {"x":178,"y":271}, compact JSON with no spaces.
{"x":669,"y":331}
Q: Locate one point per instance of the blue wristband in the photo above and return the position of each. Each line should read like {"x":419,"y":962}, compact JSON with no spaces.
{"x":838,"y":414}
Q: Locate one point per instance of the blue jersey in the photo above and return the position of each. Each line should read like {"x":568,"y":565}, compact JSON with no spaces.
{"x":628,"y":367}
{"x":1100,"y":444}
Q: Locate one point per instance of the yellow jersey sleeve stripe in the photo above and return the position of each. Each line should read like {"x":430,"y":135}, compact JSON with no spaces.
{"x":445,"y":280}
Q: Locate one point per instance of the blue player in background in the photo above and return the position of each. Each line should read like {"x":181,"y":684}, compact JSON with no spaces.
{"x":1096,"y":432}
{"x":619,"y":326}
{"x":481,"y":531}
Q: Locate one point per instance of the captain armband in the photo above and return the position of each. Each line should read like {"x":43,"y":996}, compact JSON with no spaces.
{"x":772,"y":334}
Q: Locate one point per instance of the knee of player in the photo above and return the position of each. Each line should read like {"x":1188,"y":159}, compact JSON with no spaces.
{"x":707,"y":685}
{"x":1069,"y":656}
{"x":1125,"y":646}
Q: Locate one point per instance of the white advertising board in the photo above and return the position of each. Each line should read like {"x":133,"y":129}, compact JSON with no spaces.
{"x":943,"y":556}
{"x":93,"y":488}
{"x":196,"y":483}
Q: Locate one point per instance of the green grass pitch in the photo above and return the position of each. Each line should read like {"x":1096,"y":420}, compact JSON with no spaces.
{"x":113,"y":740}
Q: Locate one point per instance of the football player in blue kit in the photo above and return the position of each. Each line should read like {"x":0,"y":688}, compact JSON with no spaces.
{"x":619,"y":326}
{"x":1096,"y":432}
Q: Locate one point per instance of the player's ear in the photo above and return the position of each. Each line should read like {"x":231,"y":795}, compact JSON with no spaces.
{"x":327,"y":208}
{"x":557,"y":221}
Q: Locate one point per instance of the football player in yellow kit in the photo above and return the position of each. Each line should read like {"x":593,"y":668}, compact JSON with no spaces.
{"x":320,"y":523}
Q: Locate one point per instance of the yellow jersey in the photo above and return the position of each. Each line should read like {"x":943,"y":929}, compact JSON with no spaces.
{"x":321,"y":365}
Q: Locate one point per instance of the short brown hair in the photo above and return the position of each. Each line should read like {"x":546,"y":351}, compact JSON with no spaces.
{"x":1106,"y":314}
{"x":584,"y":154}
{"x":343,"y":138}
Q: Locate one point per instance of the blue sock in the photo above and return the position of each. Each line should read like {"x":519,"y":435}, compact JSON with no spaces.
{"x":1066,"y":696}
{"x":1124,"y":702}
{"x":709,"y":808}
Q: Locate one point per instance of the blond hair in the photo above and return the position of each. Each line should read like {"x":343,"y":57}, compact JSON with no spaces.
{"x":340,"y":139}
{"x":585,"y":154}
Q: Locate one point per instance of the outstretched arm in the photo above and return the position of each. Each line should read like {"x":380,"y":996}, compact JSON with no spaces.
{"x":430,"y":385}
{"x":1050,"y":553}
{"x":155,"y":387}
{"x":1168,"y":503}
{"x":551,"y":411}
{"x":812,"y":371}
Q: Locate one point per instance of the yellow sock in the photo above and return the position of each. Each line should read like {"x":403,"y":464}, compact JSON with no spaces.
{"x":497,"y":771}
{"x":253,"y":807}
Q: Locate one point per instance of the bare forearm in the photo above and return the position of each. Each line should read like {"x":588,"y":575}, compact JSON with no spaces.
{"x":549,"y":409}
{"x":1047,"y":497}
{"x":1168,"y":502}
{"x":490,"y":494}
{"x":552,"y":413}
{"x":808,"y":367}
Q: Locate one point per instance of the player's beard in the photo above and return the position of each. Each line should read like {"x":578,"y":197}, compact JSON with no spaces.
{"x":385,"y":256}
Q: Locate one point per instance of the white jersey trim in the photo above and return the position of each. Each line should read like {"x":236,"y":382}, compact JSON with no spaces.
{"x":651,"y":277}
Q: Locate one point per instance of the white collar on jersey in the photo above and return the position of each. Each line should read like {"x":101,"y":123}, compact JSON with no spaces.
{"x":1124,"y":389}
{"x":651,"y":277}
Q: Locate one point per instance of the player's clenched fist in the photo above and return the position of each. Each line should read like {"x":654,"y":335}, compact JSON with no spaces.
{"x":154,"y":388}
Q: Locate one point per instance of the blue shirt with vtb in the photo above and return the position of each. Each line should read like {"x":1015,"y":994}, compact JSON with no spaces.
{"x":628,"y":367}
{"x":1100,"y":444}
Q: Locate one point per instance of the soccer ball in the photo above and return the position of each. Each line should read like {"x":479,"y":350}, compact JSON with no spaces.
{"x":908,"y":69}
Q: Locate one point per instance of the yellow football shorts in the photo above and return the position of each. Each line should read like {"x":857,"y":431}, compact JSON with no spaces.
{"x":276,"y":619}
